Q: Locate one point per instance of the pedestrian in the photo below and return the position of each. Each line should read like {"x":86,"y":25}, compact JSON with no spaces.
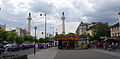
{"x":98,"y":45}
{"x":101,"y":45}
{"x":105,"y":46}
{"x":113,"y":46}
{"x":117,"y":46}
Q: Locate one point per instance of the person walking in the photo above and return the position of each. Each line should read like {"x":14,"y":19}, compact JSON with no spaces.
{"x":113,"y":46}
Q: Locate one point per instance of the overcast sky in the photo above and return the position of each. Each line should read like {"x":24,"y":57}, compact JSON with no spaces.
{"x":14,"y":13}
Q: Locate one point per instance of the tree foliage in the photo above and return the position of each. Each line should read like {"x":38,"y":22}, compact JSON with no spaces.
{"x":102,"y":30}
{"x":3,"y":35}
{"x":28,"y":38}
{"x":43,"y":40}
{"x":13,"y":37}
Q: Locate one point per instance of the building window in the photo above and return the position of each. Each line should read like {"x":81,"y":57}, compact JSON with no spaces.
{"x":117,"y":28}
{"x":118,"y":34}
{"x":115,"y":34}
{"x":113,"y":28}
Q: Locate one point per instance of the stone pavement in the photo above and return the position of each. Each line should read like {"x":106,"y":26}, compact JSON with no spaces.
{"x":44,"y":54}
{"x":114,"y":53}
{"x":86,"y":54}
{"x":55,"y":53}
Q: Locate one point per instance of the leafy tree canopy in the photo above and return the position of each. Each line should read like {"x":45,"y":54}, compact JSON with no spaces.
{"x":102,"y":30}
{"x":28,"y":38}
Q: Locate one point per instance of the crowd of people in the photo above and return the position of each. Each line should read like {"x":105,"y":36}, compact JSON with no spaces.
{"x":111,"y":46}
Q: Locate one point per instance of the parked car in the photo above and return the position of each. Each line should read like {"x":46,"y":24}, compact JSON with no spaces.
{"x":26,"y":46}
{"x":13,"y":47}
{"x":31,"y":45}
{"x":2,"y":48}
{"x":41,"y":45}
{"x":7,"y":45}
{"x":23,"y":46}
{"x":48,"y":45}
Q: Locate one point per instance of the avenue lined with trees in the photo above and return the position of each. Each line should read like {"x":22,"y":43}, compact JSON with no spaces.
{"x":12,"y":37}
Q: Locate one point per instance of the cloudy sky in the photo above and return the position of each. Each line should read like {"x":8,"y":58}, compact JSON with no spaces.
{"x":14,"y":13}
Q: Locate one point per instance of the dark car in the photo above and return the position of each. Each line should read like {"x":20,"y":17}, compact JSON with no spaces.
{"x":2,"y":49}
{"x":13,"y":47}
{"x":24,"y":46}
{"x":41,"y":45}
{"x":31,"y":45}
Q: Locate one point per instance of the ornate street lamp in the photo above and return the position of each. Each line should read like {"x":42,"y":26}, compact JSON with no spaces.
{"x":35,"y":39}
{"x":45,"y":26}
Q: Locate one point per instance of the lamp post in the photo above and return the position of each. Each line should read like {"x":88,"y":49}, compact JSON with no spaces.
{"x":35,"y":39}
{"x":56,"y":32}
{"x":45,"y":27}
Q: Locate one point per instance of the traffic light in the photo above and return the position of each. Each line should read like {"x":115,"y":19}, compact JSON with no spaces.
{"x":40,"y":14}
{"x":42,"y":32}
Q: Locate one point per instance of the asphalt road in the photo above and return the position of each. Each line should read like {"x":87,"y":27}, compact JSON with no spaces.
{"x":26,"y":51}
{"x":54,"y":53}
{"x":86,"y":54}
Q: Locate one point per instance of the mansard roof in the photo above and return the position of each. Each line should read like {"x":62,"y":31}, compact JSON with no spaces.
{"x":82,"y":24}
{"x":115,"y":25}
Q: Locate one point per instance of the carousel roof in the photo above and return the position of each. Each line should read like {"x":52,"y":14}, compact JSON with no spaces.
{"x":72,"y":39}
{"x":112,"y":38}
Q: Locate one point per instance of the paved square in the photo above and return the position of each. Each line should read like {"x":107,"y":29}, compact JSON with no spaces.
{"x":83,"y":54}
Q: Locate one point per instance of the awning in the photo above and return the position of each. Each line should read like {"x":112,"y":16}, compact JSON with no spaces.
{"x":72,"y":38}
{"x":112,"y":38}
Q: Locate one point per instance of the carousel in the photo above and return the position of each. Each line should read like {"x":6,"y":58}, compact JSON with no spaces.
{"x":72,"y":41}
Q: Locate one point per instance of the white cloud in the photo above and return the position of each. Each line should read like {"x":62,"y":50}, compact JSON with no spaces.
{"x":16,"y":12}
{"x":71,"y":27}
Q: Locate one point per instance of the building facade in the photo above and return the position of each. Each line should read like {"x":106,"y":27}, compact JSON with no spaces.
{"x":85,"y":28}
{"x":21,"y":32}
{"x":115,"y":30}
{"x":91,"y":28}
{"x":2,"y":26}
{"x":82,"y":28}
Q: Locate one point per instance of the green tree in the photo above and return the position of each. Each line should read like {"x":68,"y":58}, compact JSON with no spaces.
{"x":3,"y":35}
{"x":42,"y":40}
{"x":102,"y":30}
{"x":13,"y":37}
{"x":28,"y":38}
{"x":18,"y":39}
{"x":47,"y":39}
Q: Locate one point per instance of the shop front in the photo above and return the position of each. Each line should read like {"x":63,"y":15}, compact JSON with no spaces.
{"x":71,"y":43}
{"x":115,"y":40}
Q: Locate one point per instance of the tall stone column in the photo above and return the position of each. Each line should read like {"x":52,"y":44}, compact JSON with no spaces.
{"x":63,"y":23}
{"x":29,"y":23}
